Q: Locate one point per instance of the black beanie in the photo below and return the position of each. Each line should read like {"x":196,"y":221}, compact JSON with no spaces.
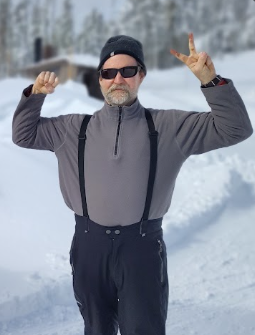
{"x":122,"y":44}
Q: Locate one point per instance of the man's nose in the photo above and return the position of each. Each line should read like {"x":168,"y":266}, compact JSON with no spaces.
{"x":118,"y":79}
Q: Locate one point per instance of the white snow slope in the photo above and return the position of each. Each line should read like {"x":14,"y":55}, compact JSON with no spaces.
{"x":209,"y":229}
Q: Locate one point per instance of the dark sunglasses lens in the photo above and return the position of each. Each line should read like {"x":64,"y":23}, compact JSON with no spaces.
{"x":126,"y":72}
{"x":109,"y":73}
{"x":129,"y":71}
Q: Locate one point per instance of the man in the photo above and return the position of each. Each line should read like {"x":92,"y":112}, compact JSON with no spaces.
{"x":117,"y":173}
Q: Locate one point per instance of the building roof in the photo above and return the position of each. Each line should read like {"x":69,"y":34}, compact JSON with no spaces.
{"x":75,"y":59}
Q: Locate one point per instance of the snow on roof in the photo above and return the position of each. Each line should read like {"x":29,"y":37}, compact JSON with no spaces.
{"x":76,"y":59}
{"x":84,"y":59}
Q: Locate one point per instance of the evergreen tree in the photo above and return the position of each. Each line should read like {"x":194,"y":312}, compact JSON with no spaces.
{"x":48,"y":27}
{"x":246,"y":37}
{"x":175,"y":33}
{"x":36,"y":26}
{"x":93,"y":34}
{"x":144,"y":20}
{"x":47,"y":22}
{"x":65,"y":29}
{"x":21,"y":33}
{"x":36,"y":20}
{"x":5,"y":38}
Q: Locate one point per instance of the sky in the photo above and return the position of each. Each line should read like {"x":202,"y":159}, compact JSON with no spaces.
{"x":209,"y":230}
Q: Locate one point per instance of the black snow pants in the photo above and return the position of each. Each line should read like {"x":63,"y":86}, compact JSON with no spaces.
{"x":120,"y":277}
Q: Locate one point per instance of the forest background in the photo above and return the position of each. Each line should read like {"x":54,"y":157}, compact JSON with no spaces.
{"x":77,"y":27}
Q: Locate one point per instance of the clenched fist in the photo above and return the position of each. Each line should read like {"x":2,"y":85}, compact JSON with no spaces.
{"x":45,"y":83}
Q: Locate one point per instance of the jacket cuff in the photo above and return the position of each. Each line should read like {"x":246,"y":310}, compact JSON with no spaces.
{"x":27,"y":91}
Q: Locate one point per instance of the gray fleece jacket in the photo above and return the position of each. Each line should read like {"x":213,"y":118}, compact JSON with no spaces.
{"x":117,"y":165}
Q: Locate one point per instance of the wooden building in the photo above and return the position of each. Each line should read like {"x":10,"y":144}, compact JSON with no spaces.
{"x":80,"y":68}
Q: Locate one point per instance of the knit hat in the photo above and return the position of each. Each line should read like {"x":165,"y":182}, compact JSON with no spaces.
{"x":122,"y":44}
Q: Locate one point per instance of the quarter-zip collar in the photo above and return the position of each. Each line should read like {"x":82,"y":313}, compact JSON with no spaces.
{"x":127,"y":112}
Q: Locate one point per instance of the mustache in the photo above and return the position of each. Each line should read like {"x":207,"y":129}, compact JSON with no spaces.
{"x":117,"y":87}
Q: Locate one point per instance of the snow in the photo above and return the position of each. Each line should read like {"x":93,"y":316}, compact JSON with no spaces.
{"x":209,"y":232}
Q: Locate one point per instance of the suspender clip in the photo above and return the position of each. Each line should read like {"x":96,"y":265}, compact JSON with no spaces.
{"x":87,"y":222}
{"x":141,"y":228}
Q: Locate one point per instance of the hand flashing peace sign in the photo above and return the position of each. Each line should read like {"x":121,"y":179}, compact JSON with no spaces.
{"x":199,"y":63}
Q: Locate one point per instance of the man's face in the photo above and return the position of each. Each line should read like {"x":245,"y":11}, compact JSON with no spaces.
{"x":120,"y":91}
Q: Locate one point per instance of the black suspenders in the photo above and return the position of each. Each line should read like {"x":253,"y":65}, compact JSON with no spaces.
{"x":153,"y":135}
{"x":81,"y":152}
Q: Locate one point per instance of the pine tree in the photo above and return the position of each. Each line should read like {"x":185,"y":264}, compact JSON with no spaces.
{"x":173,"y":33}
{"x":36,"y":20}
{"x":5,"y":38}
{"x":246,"y":38}
{"x":144,"y":20}
{"x":65,"y":31}
{"x":21,"y":35}
{"x":93,"y":34}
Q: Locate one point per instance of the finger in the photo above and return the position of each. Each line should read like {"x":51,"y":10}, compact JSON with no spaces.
{"x":56,"y":82}
{"x":183,"y":58}
{"x":41,"y":77}
{"x":52,"y":78}
{"x":47,"y":77}
{"x":210,"y":64}
{"x":192,"y":47}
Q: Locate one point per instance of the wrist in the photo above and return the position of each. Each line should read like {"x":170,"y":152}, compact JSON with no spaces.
{"x":34,"y":90}
{"x":217,"y":81}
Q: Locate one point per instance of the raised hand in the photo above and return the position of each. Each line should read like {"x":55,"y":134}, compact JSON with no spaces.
{"x":199,"y":63}
{"x":46,"y":82}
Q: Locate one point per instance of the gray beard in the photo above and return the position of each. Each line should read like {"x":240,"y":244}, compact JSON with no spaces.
{"x":119,"y":98}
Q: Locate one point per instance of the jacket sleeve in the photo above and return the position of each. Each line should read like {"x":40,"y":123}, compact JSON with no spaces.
{"x":30,"y":130}
{"x":226,"y":124}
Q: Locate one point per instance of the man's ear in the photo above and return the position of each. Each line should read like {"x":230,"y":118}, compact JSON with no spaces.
{"x":142,"y":75}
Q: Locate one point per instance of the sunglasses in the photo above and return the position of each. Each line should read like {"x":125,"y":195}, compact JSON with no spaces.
{"x":126,"y":72}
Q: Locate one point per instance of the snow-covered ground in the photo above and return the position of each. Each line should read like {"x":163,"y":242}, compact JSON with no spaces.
{"x":209,"y":230}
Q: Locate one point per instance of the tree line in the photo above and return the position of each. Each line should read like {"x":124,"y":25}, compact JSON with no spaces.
{"x":219,"y":26}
